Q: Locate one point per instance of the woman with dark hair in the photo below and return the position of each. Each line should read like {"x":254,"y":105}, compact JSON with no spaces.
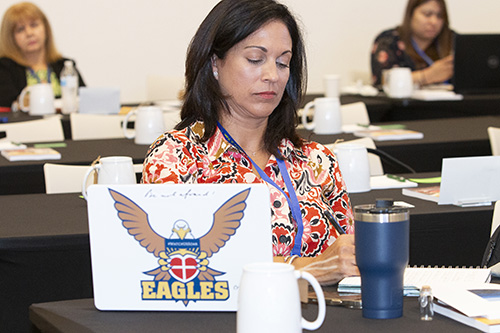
{"x":245,"y":75}
{"x":423,"y":42}
{"x":28,"y":54}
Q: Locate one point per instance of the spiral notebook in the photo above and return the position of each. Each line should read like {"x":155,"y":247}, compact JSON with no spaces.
{"x":416,"y":277}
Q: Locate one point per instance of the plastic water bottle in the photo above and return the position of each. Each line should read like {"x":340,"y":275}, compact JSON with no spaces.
{"x":69,"y":88}
{"x":426,"y":303}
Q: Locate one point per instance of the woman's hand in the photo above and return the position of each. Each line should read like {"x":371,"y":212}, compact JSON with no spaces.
{"x":337,"y":262}
{"x":440,"y":71}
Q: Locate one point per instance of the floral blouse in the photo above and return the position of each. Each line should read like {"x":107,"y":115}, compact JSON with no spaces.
{"x":178,"y":157}
{"x":389,"y":51}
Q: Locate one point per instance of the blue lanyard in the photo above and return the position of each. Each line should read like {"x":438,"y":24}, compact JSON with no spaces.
{"x":35,"y":75}
{"x":421,"y":53}
{"x":424,"y":55}
{"x":292,"y":200}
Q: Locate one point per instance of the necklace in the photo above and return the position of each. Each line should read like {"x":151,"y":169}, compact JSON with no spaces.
{"x":254,"y":153}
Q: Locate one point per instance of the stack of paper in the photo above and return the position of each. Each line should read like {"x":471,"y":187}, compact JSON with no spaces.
{"x":390,"y":134}
{"x":416,"y":277}
{"x":31,"y":154}
{"x":476,"y":305}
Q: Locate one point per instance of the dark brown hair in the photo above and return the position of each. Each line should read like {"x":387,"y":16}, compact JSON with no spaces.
{"x":230,"y":22}
{"x":442,"y":45}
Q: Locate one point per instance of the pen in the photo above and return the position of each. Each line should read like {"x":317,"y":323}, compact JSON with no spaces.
{"x":334,"y":222}
{"x":398,"y":178}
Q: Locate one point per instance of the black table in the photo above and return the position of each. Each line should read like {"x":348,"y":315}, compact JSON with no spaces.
{"x":453,"y":137}
{"x":385,"y":109}
{"x":44,"y":254}
{"x":27,"y":176}
{"x":80,"y":316}
{"x":45,"y":251}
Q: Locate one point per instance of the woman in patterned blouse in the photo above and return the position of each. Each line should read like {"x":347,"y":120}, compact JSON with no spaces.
{"x":245,"y":74}
{"x":423,"y":42}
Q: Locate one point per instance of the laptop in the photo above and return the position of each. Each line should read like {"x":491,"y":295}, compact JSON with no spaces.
{"x":175,"y":247}
{"x":470,"y":181}
{"x":99,"y":100}
{"x":477,"y":64}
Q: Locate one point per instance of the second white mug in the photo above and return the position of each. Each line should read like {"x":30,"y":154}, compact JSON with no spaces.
{"x":111,"y":170}
{"x":398,"y":82}
{"x":327,"y":118}
{"x":41,"y":99}
{"x":354,"y":166}
{"x":149,"y":124}
{"x":269,"y":300}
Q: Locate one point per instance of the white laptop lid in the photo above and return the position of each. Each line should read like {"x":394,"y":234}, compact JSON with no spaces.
{"x":99,"y":100}
{"x":470,"y":181}
{"x":192,"y":238}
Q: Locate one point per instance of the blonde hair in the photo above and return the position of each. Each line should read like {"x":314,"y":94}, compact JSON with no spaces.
{"x":12,"y":17}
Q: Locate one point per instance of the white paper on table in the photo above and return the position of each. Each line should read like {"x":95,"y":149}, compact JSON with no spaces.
{"x":436,"y":95}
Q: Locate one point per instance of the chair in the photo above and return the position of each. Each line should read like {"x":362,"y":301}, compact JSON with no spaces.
{"x":376,"y":168}
{"x":42,"y":130}
{"x":61,"y":178}
{"x":96,"y":126}
{"x":494,"y":135}
{"x":496,"y":218}
{"x":354,"y":113}
{"x":163,"y":87}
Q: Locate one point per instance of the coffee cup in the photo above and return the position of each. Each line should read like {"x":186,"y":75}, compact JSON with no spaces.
{"x":331,"y":84}
{"x":398,"y":82}
{"x":269,"y":300}
{"x":149,"y":124}
{"x":354,"y":166}
{"x":111,"y":170}
{"x":326,"y":119}
{"x":41,"y":99}
{"x":382,"y":252}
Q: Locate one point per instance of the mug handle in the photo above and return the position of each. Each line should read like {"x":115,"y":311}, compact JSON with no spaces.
{"x":23,"y":107}
{"x":309,"y":126}
{"x":95,"y":167}
{"x":125,"y":123}
{"x":314,"y":325}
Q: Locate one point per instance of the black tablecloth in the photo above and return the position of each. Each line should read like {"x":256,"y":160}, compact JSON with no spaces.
{"x":443,"y":138}
{"x":27,"y":176}
{"x":80,"y":316}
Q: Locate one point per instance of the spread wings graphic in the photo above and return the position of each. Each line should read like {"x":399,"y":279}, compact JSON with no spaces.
{"x":226,"y":220}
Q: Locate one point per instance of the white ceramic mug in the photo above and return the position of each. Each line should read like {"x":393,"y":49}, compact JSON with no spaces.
{"x":398,"y":82}
{"x":41,"y":99}
{"x":327,"y":118}
{"x":111,"y":170}
{"x":149,"y":124}
{"x":269,"y":299}
{"x":354,"y":166}
{"x":331,"y":85}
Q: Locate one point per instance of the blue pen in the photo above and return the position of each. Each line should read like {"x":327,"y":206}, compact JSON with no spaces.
{"x":334,"y":222}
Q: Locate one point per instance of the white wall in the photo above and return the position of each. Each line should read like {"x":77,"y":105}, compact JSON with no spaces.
{"x":120,"y":43}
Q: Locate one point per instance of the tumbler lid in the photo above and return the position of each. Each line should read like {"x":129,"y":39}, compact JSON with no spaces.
{"x":382,"y":211}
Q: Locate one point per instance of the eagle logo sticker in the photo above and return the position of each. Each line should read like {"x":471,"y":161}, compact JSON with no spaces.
{"x":183,"y":273}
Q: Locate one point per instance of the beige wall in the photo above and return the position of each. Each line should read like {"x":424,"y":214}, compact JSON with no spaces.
{"x":120,"y":43}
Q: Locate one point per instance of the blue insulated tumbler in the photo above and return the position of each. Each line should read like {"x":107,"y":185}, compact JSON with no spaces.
{"x":382,"y":252}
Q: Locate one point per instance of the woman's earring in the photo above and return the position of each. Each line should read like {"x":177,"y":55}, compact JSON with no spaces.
{"x":216,"y":74}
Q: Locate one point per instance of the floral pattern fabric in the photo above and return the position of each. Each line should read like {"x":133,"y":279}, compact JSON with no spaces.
{"x":178,"y":157}
{"x":389,"y":51}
